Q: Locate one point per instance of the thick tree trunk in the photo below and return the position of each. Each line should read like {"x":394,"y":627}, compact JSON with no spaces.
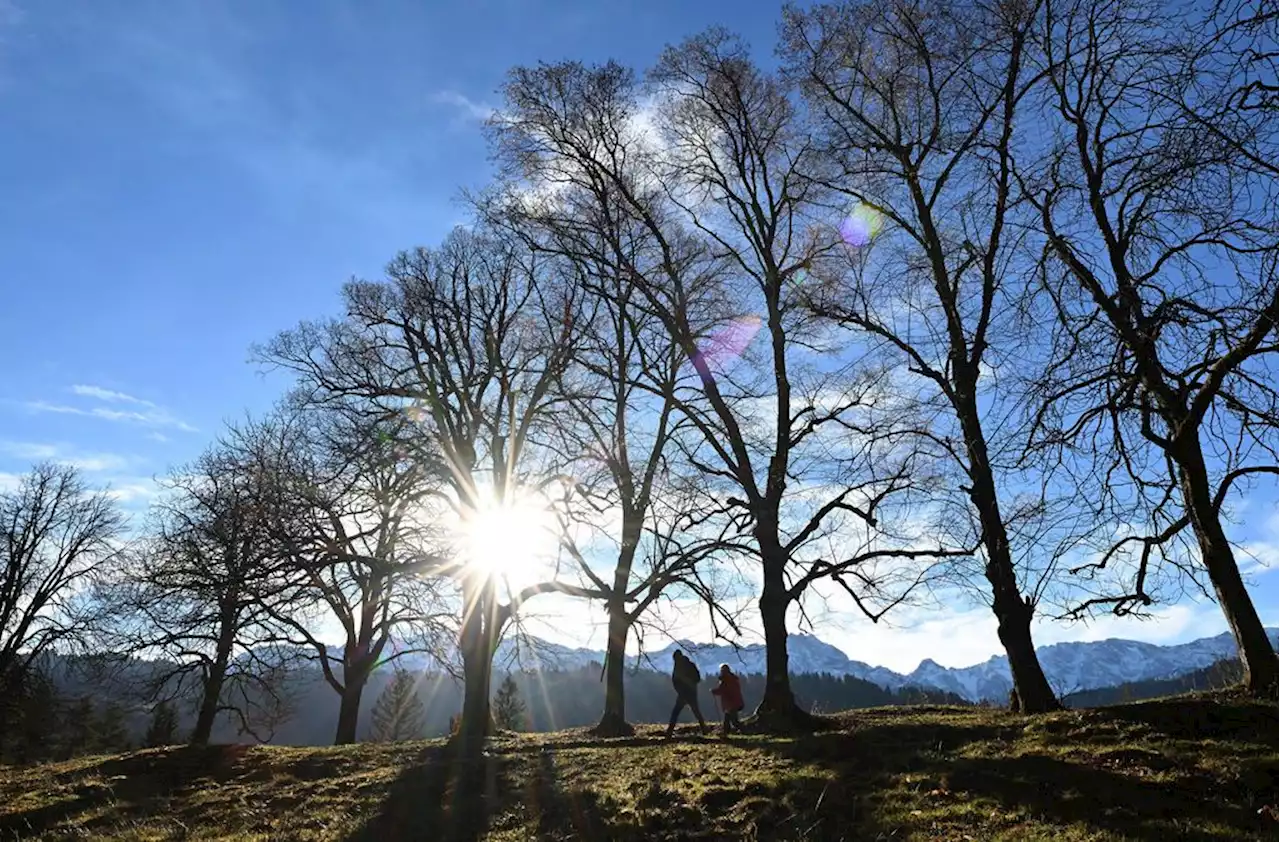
{"x":208,"y":708}
{"x":1014,"y":629}
{"x":1013,"y":612}
{"x":349,"y":708}
{"x":478,"y":641}
{"x":1256,"y":655}
{"x":778,"y":709}
{"x":212,"y":689}
{"x":613,"y":721}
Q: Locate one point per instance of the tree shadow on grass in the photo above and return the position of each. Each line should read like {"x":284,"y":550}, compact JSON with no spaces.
{"x":1121,"y":774}
{"x":133,"y":785}
{"x":798,"y":807}
{"x":882,"y":747}
{"x":1070,"y":793}
{"x":441,"y":795}
{"x":1201,"y":718}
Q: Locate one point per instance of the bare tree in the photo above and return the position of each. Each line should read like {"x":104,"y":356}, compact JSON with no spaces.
{"x":718,"y":203}
{"x":917,"y":109}
{"x":467,"y":342}
{"x":199,"y":595}
{"x":1156,"y":193}
{"x":618,"y":450}
{"x":616,"y":434}
{"x":346,"y":508}
{"x":58,"y":539}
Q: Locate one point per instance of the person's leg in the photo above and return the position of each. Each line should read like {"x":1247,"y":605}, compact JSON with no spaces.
{"x":733,"y":719}
{"x":693,"y":703}
{"x":675,"y":713}
{"x":724,"y":726}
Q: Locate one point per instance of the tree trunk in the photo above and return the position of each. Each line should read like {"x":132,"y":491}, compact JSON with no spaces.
{"x":613,"y":721}
{"x":778,"y":709}
{"x":349,"y":708}
{"x":1013,"y":612}
{"x":1029,"y":683}
{"x":212,"y":690}
{"x":1256,"y":655}
{"x":478,"y":641}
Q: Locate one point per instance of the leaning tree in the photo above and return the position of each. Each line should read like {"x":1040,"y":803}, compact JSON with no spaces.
{"x":918,"y":112}
{"x":1155,"y":187}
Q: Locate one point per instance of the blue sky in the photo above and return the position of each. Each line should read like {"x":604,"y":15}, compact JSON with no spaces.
{"x":182,"y":179}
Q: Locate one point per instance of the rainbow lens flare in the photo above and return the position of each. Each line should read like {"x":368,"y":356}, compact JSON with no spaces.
{"x":860,"y":227}
{"x":730,"y":341}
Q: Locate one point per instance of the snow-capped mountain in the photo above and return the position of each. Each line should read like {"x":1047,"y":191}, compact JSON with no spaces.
{"x":805,"y":653}
{"x":1070,"y":667}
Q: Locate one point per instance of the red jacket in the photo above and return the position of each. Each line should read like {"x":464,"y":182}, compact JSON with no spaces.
{"x":730,"y":692}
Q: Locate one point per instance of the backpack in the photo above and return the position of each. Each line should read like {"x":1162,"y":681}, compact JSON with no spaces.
{"x":688,"y":671}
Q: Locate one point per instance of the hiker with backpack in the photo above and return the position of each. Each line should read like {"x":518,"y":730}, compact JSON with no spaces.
{"x":685,"y":678}
{"x":729,"y":692}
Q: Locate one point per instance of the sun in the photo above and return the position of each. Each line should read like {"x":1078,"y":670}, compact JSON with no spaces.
{"x":509,"y":540}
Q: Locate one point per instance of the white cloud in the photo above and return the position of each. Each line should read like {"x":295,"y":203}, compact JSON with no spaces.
{"x":467,"y":107}
{"x":133,"y":491}
{"x":109,"y":395}
{"x":147,"y":417}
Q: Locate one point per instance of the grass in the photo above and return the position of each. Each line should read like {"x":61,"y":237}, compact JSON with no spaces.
{"x":1193,"y":767}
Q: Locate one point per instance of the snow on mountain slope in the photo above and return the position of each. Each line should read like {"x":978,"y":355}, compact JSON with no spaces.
{"x":1070,"y":667}
{"x":1082,"y":666}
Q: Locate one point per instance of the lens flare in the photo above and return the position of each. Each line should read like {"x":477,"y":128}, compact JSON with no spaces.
{"x":730,"y":341}
{"x":860,"y":227}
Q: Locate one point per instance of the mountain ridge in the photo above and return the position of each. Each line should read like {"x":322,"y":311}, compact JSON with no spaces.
{"x":1070,"y":666}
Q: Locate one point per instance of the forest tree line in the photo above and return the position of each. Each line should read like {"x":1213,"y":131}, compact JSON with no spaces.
{"x":954,"y":303}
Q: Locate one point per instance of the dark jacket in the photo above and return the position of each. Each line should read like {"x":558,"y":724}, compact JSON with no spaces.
{"x":685,"y":675}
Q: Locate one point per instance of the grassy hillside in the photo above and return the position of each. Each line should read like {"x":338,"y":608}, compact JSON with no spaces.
{"x":1201,"y":767}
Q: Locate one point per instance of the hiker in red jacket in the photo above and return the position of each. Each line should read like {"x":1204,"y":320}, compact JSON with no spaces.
{"x":729,"y":692}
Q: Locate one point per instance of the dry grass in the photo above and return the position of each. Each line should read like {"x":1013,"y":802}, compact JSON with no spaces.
{"x":1198,"y":767}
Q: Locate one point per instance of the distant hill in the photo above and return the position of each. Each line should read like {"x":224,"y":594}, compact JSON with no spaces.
{"x":1219,"y":675}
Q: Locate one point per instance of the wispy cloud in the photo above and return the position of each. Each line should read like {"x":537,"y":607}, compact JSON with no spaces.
{"x":191,"y":62}
{"x":131,"y":492}
{"x":465,"y":105}
{"x":147,"y":415}
{"x":109,"y":395}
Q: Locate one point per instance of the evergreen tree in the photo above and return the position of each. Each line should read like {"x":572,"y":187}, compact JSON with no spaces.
{"x":398,"y":713}
{"x":163,"y":730}
{"x":33,"y":720}
{"x":112,"y":732}
{"x":79,"y":727}
{"x":508,"y":707}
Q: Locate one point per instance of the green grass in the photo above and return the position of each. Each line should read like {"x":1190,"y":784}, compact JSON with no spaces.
{"x":1195,"y":767}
